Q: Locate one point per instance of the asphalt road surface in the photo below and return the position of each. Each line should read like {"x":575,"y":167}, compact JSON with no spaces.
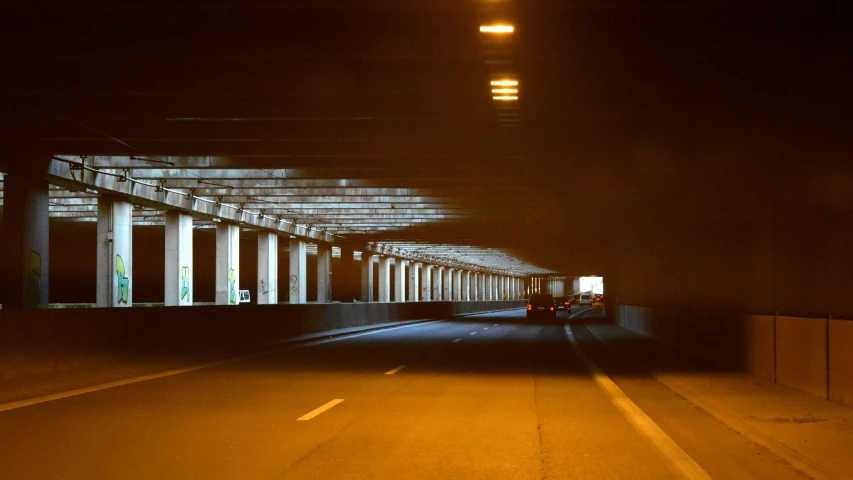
{"x":488,"y":396}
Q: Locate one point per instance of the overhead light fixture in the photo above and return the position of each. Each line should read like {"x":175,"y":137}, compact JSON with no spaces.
{"x":496,"y":28}
{"x":504,"y":83}
{"x":505,"y":98}
{"x":504,"y":90}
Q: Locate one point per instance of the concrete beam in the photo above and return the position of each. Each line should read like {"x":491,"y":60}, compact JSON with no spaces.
{"x":61,"y":173}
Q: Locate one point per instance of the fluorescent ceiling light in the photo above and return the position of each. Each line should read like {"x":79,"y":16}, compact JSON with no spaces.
{"x":505,"y":97}
{"x":504,"y":83}
{"x":504,"y":90}
{"x":497,"y":28}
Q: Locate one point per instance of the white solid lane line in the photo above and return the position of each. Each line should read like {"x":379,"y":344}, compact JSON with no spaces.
{"x":485,"y":328}
{"x":472,"y":333}
{"x":392,"y":372}
{"x":118,"y":383}
{"x":679,"y":460}
{"x":457,"y":340}
{"x":318,"y":411}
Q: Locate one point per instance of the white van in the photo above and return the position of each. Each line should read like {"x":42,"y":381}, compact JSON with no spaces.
{"x":586,"y":299}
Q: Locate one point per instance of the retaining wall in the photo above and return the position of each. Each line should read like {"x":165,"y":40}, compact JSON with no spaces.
{"x":811,"y":354}
{"x":42,"y":341}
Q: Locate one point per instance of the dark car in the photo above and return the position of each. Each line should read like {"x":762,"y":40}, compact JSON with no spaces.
{"x":542,"y":306}
{"x":576,"y":299}
{"x":563,"y":303}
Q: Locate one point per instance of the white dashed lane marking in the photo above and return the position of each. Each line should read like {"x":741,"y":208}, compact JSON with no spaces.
{"x":319,"y":410}
{"x":392,"y":372}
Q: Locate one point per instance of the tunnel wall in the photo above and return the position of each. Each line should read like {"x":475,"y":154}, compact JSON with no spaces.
{"x":44,"y":341}
{"x":809,"y":354}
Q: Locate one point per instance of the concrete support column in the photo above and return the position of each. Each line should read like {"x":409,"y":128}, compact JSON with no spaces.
{"x":366,"y":277}
{"x":25,"y":245}
{"x":384,"y":279}
{"x":344,"y":279}
{"x":178,"y":289}
{"x":399,"y":280}
{"x":504,"y":287}
{"x":465,"y":286}
{"x":298,"y":281}
{"x":437,"y":285}
{"x":114,"y":287}
{"x":489,"y":291}
{"x":576,"y":285}
{"x":475,"y":286}
{"x":457,"y":285}
{"x":447,"y":284}
{"x":426,"y":283}
{"x":414,"y":282}
{"x":324,"y":273}
{"x":481,"y":288}
{"x":267,"y":293}
{"x":227,"y":264}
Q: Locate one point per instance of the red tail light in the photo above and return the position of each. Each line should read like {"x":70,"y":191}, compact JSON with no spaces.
{"x":529,"y":308}
{"x":552,"y":309}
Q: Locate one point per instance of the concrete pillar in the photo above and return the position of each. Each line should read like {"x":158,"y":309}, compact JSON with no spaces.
{"x":481,"y":287}
{"x":324,"y":273}
{"x":400,"y":280}
{"x":447,"y":284}
{"x":178,"y":289}
{"x":437,"y":285}
{"x":267,"y":292}
{"x":576,"y":285}
{"x":25,"y":245}
{"x":465,"y":286}
{"x":114,"y":283}
{"x":426,"y":283}
{"x":344,"y":279}
{"x":504,"y":287}
{"x":489,"y":291}
{"x":475,"y":286}
{"x":366,"y":277}
{"x":414,"y":282}
{"x":384,"y":279}
{"x":457,"y":285}
{"x":298,"y":281}
{"x":227,"y":264}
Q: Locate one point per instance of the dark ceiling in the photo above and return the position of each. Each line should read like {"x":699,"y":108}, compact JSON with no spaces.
{"x":626,"y":109}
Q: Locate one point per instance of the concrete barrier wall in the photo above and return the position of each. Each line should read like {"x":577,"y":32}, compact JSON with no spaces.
{"x":841,"y":361}
{"x":43,"y":341}
{"x":801,"y":354}
{"x":810,"y":354}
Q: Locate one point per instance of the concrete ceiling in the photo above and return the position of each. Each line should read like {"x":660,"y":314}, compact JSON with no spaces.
{"x":373,"y":120}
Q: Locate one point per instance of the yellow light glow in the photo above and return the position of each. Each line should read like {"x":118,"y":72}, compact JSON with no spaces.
{"x":504,"y":90}
{"x":504,"y":83}
{"x":496,"y":29}
{"x":505,"y":97}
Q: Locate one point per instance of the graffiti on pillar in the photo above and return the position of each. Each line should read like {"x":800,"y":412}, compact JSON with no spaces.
{"x":123,"y":282}
{"x":294,"y":287}
{"x":185,"y":283}
{"x":33,"y":275}
{"x":264,"y":290}
{"x":232,"y":286}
